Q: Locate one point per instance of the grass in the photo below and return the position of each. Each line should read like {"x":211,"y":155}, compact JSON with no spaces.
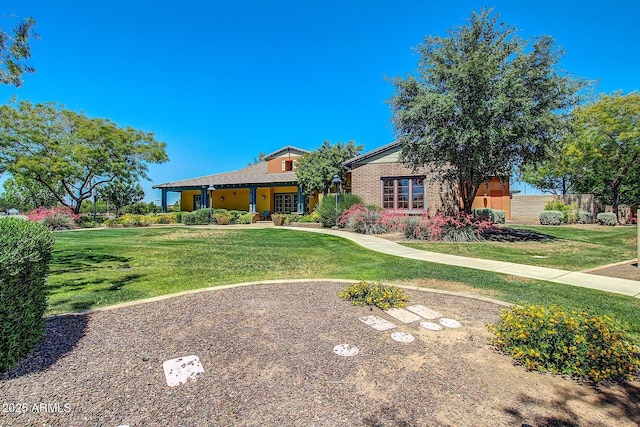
{"x":573,"y":248}
{"x":98,"y":268}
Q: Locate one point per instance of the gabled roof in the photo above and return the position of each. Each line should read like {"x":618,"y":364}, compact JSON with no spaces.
{"x":372,"y":153}
{"x":251,"y":175}
{"x":288,"y":149}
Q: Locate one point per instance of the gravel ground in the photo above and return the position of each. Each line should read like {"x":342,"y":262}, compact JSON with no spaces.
{"x":267,"y":352}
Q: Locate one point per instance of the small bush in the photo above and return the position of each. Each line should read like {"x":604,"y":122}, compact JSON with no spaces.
{"x":188,"y":218}
{"x":163,"y":218}
{"x":551,"y":218}
{"x":499,"y":216}
{"x":551,"y":339}
{"x":486,"y":214}
{"x":377,"y":294}
{"x":244,"y":218}
{"x":179,"y":216}
{"x":134,"y":220}
{"x":327,"y":208}
{"x":56,"y":218}
{"x":606,"y":218}
{"x":584,"y":218}
{"x":202,"y":216}
{"x":365,"y":220}
{"x":25,"y":252}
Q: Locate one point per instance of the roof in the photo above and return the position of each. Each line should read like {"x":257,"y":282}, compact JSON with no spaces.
{"x":288,"y":148}
{"x":251,"y":175}
{"x":372,"y":153}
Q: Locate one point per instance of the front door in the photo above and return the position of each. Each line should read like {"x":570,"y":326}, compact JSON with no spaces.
{"x":286,"y":202}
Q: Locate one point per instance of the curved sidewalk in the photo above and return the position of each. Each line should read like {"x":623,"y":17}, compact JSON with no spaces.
{"x":574,"y":278}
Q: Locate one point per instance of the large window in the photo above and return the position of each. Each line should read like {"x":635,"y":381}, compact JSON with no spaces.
{"x":403,"y":193}
{"x":286,"y":202}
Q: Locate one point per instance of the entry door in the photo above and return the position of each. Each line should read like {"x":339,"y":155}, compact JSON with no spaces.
{"x":286,"y":202}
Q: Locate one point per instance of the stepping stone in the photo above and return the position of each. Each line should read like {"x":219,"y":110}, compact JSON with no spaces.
{"x":178,"y":371}
{"x":403,"y":315}
{"x":377,"y":323}
{"x":450,"y":323}
{"x":425,"y":312}
{"x":431,"y":326}
{"x":402,"y":337}
{"x":346,"y":350}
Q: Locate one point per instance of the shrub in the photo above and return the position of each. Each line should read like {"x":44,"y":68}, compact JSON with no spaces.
{"x":163,"y":218}
{"x":179,"y":216}
{"x":365,"y":220}
{"x":25,"y":252}
{"x":606,"y":218}
{"x":569,"y":212}
{"x":448,"y":228}
{"x":189,"y":218}
{"x":551,"y":218}
{"x":327,"y":208}
{"x":203,"y":215}
{"x":584,"y":218}
{"x":551,"y":339}
{"x":312,"y":217}
{"x":499,"y":216}
{"x":243,"y":218}
{"x":56,"y":218}
{"x":133,"y":220}
{"x":486,"y":214}
{"x":377,"y":294}
{"x":88,"y":221}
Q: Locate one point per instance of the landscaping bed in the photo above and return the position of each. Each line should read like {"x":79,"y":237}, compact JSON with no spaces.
{"x":268,"y":360}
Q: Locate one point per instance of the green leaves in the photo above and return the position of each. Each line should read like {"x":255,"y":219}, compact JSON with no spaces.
{"x":315,"y":170}
{"x":14,"y":50}
{"x":70,"y":154}
{"x":484,"y":102}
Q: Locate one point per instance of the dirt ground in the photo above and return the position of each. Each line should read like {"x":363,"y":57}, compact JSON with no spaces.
{"x":267,"y":353}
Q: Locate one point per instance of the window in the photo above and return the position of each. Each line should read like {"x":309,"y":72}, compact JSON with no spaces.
{"x":197,"y":201}
{"x":289,"y":165}
{"x":403,"y":193}
{"x":286,"y":202}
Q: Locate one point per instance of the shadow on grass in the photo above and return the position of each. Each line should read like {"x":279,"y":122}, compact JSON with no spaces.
{"x":508,"y":234}
{"x":61,"y":336}
{"x":619,"y":401}
{"x":70,"y":262}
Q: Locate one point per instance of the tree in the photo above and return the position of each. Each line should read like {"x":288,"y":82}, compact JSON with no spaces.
{"x":14,"y":51}
{"x":484,"y":102}
{"x":119,"y":193}
{"x":70,"y":154}
{"x":553,"y":175}
{"x":315,"y":170}
{"x":607,"y":149}
{"x":25,"y":195}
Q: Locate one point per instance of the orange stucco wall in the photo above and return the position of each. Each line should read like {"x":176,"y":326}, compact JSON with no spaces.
{"x":275,"y":165}
{"x":494,"y":195}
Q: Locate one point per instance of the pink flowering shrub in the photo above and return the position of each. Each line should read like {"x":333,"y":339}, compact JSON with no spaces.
{"x":362,"y":219}
{"x":56,"y":218}
{"x":449,"y":228}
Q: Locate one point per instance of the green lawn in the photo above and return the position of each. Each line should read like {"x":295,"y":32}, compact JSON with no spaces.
{"x":573,"y":248}
{"x":98,"y":268}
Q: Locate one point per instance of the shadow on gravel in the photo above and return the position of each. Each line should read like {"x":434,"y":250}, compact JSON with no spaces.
{"x":623,"y":398}
{"x":61,"y":336}
{"x":508,"y":234}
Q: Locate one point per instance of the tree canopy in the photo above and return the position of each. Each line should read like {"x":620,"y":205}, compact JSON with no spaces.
{"x":315,"y":170}
{"x":483,"y":102}
{"x":119,"y":193}
{"x":605,"y":149}
{"x":70,"y":154}
{"x":14,"y":51}
{"x":24,"y":195}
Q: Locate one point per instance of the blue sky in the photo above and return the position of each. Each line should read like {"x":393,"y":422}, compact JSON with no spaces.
{"x":221,"y":81}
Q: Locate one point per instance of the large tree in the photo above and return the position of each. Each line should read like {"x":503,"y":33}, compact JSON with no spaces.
{"x":25,"y":195}
{"x":121,"y":193}
{"x":315,"y":170}
{"x":70,"y":154}
{"x":14,"y":51}
{"x":483,"y":102}
{"x":606,"y":154}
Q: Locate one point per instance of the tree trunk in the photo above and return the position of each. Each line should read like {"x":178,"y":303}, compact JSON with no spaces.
{"x":616,"y":202}
{"x":468,"y":194}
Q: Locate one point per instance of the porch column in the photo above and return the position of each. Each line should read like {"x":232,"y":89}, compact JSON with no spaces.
{"x":253,"y":195}
{"x":164,"y":200}
{"x":300,"y":200}
{"x":203,"y":198}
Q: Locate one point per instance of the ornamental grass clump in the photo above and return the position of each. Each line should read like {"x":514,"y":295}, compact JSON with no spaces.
{"x":579,"y":344}
{"x":362,"y":219}
{"x":382,"y":296}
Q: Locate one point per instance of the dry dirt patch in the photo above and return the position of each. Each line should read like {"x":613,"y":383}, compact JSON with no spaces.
{"x":268,"y":360}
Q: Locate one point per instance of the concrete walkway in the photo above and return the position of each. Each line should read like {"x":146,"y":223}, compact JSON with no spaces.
{"x":574,"y":278}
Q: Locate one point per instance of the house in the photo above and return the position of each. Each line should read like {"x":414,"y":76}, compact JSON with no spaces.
{"x":381,"y":179}
{"x":267,"y":186}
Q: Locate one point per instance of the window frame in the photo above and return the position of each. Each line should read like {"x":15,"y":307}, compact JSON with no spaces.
{"x":398,"y":195}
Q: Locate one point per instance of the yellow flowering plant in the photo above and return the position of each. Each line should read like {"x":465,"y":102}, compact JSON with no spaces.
{"x":382,"y":296}
{"x":576,"y":343}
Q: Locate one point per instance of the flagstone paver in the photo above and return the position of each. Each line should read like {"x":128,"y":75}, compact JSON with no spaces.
{"x":179,"y":371}
{"x":377,"y":323}
{"x":431,"y":326}
{"x":346,"y":350}
{"x":423,"y":311}
{"x":450,"y":323}
{"x":403,"y":315}
{"x":402,"y":337}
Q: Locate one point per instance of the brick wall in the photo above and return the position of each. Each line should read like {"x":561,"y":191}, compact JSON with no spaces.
{"x":366,"y":183}
{"x":526,"y":209}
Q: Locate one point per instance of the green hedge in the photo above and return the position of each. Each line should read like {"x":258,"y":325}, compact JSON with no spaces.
{"x":25,"y":252}
{"x":551,"y":217}
{"x":606,"y":218}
